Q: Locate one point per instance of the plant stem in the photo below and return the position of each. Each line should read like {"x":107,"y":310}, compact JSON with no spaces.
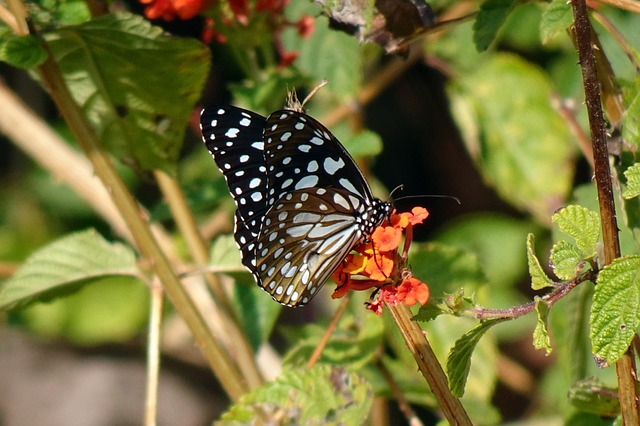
{"x":228,"y":326}
{"x":428,"y":365}
{"x":517,"y":311}
{"x":220,"y":362}
{"x":153,"y":355}
{"x":625,"y":367}
{"x":330,"y":329}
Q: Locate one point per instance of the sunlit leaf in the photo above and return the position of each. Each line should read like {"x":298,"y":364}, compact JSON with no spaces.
{"x":565,"y":259}
{"x":582,"y":224}
{"x":459,"y":360}
{"x":539,"y":278}
{"x":63,"y":266}
{"x":136,"y":85}
{"x":321,"y":395}
{"x":541,"y":338}
{"x":615,"y":311}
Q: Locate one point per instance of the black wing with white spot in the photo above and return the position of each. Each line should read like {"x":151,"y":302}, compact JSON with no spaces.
{"x":302,"y":203}
{"x":302,"y":153}
{"x":234,"y":137}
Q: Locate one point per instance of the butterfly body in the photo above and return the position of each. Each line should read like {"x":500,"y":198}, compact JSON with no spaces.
{"x":302,"y":203}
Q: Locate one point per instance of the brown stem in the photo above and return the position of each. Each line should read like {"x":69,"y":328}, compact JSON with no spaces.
{"x":428,"y":365}
{"x":517,"y":311}
{"x":131,"y":212}
{"x":625,"y":367}
{"x":228,"y":325}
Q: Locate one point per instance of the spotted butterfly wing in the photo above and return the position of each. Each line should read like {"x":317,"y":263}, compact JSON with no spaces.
{"x":302,"y":203}
{"x":233,"y":136}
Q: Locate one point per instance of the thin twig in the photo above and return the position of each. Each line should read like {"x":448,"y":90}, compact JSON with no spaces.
{"x":403,"y":403}
{"x":153,"y":354}
{"x":327,"y":334}
{"x":227,"y":327}
{"x":517,"y":311}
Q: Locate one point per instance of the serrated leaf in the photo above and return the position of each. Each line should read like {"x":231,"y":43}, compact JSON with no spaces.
{"x":539,"y":278}
{"x":353,"y":344}
{"x":565,"y":259}
{"x":556,"y":18}
{"x":519,"y":142}
{"x":63,"y":266}
{"x":615,"y":311}
{"x":590,"y":395}
{"x":137,"y":85}
{"x":633,"y":182}
{"x":541,"y":338}
{"x":321,"y":395}
{"x":459,"y":359}
{"x":581,"y":224}
{"x":22,"y":51}
{"x":490,"y":18}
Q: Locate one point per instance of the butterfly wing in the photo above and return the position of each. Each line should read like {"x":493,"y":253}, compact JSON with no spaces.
{"x":233,"y":137}
{"x":301,"y":153}
{"x":304,"y":237}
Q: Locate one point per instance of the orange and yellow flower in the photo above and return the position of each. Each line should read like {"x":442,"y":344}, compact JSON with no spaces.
{"x":377,"y":264}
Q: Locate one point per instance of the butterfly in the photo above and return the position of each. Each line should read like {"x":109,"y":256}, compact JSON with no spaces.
{"x":302,"y":204}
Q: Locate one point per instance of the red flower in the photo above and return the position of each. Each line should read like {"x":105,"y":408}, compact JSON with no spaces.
{"x":305,"y":26}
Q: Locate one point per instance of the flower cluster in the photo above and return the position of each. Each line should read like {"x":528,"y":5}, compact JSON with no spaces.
{"x":378,"y":265}
{"x":231,"y":13}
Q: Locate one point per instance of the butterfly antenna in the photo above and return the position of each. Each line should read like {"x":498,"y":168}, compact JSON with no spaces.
{"x":456,"y":199}
{"x":397,"y":188}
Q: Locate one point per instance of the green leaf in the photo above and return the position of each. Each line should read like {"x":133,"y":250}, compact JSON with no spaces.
{"x":354,"y":344}
{"x":459,"y":360}
{"x":581,"y":224}
{"x":446,"y":268}
{"x":615,"y":311}
{"x":631,"y":119}
{"x":224,"y":256}
{"x":22,"y":51}
{"x":566,"y":260}
{"x":327,"y":54}
{"x":633,"y":182}
{"x":490,"y":18}
{"x":363,"y":144}
{"x":63,"y":266}
{"x":112,"y":309}
{"x":253,"y":306}
{"x":556,"y":18}
{"x":539,"y":278}
{"x":137,"y":85}
{"x":540,"y":335}
{"x":321,"y":395}
{"x":520,"y":144}
{"x":590,"y":395}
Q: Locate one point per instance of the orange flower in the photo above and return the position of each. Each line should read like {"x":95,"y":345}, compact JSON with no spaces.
{"x":375,"y":264}
{"x":386,"y":238}
{"x":412,"y":290}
